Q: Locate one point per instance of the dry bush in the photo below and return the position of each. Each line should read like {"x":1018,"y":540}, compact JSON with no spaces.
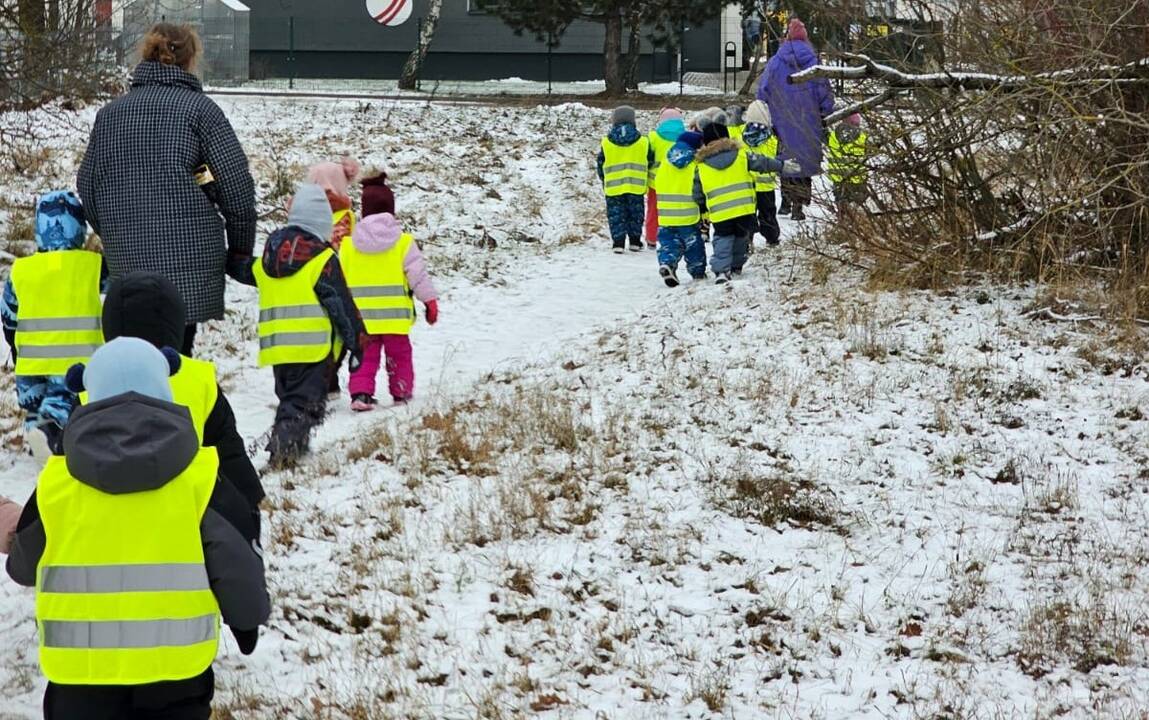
{"x":1084,"y":633}
{"x":1045,"y":178}
{"x":776,"y":497}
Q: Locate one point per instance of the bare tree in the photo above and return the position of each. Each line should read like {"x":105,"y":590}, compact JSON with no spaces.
{"x":413,"y":68}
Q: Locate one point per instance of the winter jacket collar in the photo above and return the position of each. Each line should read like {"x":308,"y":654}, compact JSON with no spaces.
{"x":288,"y":249}
{"x":719,"y":154}
{"x":756,"y":134}
{"x":129,"y":443}
{"x":376,"y":234}
{"x":624,"y":135}
{"x":153,"y":73}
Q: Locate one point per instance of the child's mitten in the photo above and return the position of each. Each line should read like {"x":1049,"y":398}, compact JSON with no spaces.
{"x":432,"y":312}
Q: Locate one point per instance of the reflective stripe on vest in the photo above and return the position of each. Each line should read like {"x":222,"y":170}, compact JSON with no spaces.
{"x":194,"y":387}
{"x":58,"y":321}
{"x":625,"y":171}
{"x":846,"y":162}
{"x":674,"y":190}
{"x":379,"y":286}
{"x":766,"y":182}
{"x":128,"y":607}
{"x":293,"y":326}
{"x":729,"y":193}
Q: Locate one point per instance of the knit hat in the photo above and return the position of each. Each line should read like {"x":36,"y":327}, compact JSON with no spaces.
{"x":60,"y":223}
{"x":378,"y":198}
{"x":734,"y":114}
{"x":145,"y":305}
{"x":691,"y":139}
{"x":669,"y":113}
{"x":128,"y":365}
{"x":332,"y":176}
{"x":715,"y":131}
{"x":854,"y":120}
{"x":623,"y":115}
{"x":796,"y":30}
{"x":759,"y":113}
{"x":310,"y":211}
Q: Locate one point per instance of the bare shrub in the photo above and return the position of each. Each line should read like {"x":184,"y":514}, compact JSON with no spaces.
{"x":1083,"y":633}
{"x":777,"y":497}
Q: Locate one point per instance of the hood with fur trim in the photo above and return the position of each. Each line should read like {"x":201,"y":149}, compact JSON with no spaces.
{"x":719,"y":154}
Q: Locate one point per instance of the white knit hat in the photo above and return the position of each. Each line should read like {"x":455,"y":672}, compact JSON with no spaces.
{"x":759,"y":114}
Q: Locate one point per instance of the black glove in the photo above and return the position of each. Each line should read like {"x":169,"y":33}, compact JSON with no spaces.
{"x":247,"y":639}
{"x":355,"y":360}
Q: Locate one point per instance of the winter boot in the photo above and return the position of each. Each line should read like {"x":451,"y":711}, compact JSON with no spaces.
{"x":797,"y":215}
{"x":619,"y":249}
{"x":362,"y":402}
{"x":786,"y":206}
{"x":722,"y":278}
{"x":668,"y":275}
{"x":636,"y":246}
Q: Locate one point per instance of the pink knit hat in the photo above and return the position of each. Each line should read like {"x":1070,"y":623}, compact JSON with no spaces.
{"x":796,"y":30}
{"x":669,"y":113}
{"x":334,"y":177}
{"x":854,"y":120}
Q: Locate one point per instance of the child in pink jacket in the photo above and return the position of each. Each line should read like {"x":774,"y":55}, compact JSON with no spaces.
{"x":386,"y":272}
{"x":9,"y":516}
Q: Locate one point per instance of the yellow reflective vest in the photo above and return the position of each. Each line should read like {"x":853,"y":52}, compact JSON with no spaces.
{"x":846,"y":162}
{"x":729,"y":193}
{"x":59,"y":316}
{"x":674,"y":188}
{"x":122,"y":592}
{"x":659,"y":147}
{"x":766,"y":182}
{"x":379,"y":286}
{"x":338,"y":216}
{"x":293,"y":326}
{"x":736,"y":131}
{"x":194,"y":387}
{"x":625,"y":170}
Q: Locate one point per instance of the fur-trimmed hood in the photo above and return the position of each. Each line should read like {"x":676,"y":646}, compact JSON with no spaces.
{"x":719,"y":154}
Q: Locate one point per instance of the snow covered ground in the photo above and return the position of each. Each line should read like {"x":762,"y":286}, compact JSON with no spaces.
{"x":793,"y":498}
{"x":505,"y":86}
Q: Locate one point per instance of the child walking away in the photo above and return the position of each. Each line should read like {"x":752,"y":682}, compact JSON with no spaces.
{"x":847,"y":164}
{"x":306,"y":317}
{"x":335,"y":179}
{"x":51,"y":317}
{"x":624,"y":167}
{"x":679,"y":217}
{"x":384,"y":269}
{"x":133,"y":566}
{"x":725,"y":183}
{"x":759,"y":138}
{"x":662,"y":138}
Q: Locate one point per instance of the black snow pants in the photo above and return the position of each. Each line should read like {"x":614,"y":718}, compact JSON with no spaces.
{"x":302,"y":393}
{"x":177,"y":700}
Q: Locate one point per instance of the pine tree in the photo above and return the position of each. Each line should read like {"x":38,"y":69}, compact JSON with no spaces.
{"x":551,"y":18}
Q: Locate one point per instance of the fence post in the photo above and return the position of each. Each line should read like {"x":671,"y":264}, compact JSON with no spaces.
{"x":291,"y":52}
{"x":550,"y":60}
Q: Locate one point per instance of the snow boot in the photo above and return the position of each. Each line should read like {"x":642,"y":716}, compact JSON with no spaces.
{"x":636,"y":247}
{"x":668,"y":275}
{"x":722,"y":278}
{"x":786,"y":206}
{"x":362,"y":402}
{"x":619,"y":250}
{"x":797,"y":215}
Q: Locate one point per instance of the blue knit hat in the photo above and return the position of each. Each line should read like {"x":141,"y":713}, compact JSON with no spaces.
{"x":60,"y":223}
{"x":126,"y":365}
{"x":691,"y":139}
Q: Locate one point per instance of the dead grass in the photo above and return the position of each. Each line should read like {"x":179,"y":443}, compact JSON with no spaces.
{"x":776,"y":497}
{"x":1083,"y":633}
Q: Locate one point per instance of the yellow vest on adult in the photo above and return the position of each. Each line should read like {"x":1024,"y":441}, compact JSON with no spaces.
{"x":122,"y":592}
{"x":194,"y":387}
{"x":846,"y":162}
{"x":293,"y":326}
{"x":674,"y":188}
{"x":766,"y":182}
{"x":659,"y":147}
{"x":380,"y":287}
{"x":625,"y":170}
{"x":729,"y":193}
{"x":59,"y":315}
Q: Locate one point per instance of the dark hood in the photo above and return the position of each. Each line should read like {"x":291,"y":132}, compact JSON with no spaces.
{"x":145,"y":305}
{"x":624,"y":135}
{"x":129,"y":443}
{"x":719,"y":154}
{"x":154,"y":73}
{"x":288,"y":249}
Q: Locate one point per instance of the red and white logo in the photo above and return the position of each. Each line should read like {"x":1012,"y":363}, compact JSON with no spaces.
{"x":390,"y":12}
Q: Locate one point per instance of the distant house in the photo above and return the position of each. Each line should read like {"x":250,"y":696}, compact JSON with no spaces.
{"x":343,"y":39}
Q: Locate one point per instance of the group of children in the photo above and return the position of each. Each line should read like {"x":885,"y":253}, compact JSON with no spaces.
{"x":718,"y":175}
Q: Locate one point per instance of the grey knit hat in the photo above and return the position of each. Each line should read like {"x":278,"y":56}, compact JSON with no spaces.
{"x":623,"y":115}
{"x":311,"y":211}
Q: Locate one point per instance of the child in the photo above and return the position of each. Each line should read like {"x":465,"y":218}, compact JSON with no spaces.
{"x":336,"y":179}
{"x":51,"y":317}
{"x":734,"y":121}
{"x":678,"y":214}
{"x":384,"y":268}
{"x":670,"y":126}
{"x":846,"y":163}
{"x":306,"y":317}
{"x":134,"y":568}
{"x":9,"y":517}
{"x":624,"y":167}
{"x":759,"y":138}
{"x":725,"y":183}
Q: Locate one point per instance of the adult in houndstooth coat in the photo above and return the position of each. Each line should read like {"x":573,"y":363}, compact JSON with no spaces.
{"x":165,"y":182}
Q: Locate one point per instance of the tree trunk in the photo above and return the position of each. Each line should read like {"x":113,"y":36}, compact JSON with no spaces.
{"x":755,"y":65}
{"x":409,"y":78}
{"x":612,"y":55}
{"x":633,"y":50}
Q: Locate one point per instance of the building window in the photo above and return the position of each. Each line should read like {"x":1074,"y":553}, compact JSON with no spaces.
{"x":481,"y":7}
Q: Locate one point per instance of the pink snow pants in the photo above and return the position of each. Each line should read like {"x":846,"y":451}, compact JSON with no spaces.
{"x":400,"y":368}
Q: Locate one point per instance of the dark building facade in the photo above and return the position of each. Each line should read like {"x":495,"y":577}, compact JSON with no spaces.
{"x":340,"y":39}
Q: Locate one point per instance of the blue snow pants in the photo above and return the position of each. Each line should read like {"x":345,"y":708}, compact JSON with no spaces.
{"x":626,"y":215}
{"x":44,"y":400}
{"x":674,"y":243}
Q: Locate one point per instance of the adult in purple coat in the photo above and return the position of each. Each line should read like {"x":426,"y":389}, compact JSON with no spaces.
{"x":797,"y":111}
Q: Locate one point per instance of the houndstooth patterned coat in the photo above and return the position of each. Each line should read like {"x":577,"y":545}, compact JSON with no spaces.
{"x":140,"y":195}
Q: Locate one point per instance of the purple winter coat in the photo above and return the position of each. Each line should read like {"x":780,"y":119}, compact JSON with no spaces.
{"x":797,"y":110}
